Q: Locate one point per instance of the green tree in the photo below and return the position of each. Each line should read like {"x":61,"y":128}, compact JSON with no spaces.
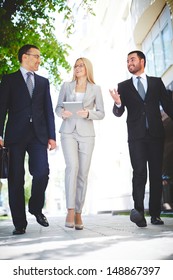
{"x":32,"y":21}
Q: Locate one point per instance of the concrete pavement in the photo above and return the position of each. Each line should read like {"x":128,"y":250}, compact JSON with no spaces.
{"x":105,"y":237}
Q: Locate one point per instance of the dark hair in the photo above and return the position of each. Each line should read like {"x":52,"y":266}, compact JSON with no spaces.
{"x":139,"y":54}
{"x":24,"y":49}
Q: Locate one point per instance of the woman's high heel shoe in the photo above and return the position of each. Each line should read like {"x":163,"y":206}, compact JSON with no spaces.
{"x":79,"y":226}
{"x":78,"y":222}
{"x":70,"y":219}
{"x":69,"y":225}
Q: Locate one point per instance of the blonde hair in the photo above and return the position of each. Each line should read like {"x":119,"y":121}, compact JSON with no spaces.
{"x":89,"y":70}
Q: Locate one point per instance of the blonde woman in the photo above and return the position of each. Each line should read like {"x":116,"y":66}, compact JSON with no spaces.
{"x":78,"y":135}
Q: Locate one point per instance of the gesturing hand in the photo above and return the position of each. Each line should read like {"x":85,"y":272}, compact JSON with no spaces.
{"x":115,"y":96}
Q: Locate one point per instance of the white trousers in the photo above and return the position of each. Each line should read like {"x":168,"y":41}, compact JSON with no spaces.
{"x":77,"y":152}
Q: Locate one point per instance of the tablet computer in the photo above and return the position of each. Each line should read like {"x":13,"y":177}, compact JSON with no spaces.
{"x":73,"y":107}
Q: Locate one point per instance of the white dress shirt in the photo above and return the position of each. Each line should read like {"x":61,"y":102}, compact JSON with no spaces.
{"x":143,"y":81}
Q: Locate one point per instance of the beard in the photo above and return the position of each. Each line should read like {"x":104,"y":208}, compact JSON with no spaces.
{"x":133,"y":69}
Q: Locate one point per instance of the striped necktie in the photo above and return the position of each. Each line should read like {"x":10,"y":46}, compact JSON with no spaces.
{"x":29,"y":83}
{"x":140,"y":88}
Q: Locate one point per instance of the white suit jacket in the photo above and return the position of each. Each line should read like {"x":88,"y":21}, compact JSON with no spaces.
{"x":93,"y":102}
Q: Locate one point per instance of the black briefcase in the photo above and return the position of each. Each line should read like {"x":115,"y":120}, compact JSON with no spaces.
{"x":4,"y":162}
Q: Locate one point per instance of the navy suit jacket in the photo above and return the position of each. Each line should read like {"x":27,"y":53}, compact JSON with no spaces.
{"x":20,"y":107}
{"x":138,"y":109}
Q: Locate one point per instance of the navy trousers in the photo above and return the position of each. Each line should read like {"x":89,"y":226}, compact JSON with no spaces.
{"x":39,"y":170}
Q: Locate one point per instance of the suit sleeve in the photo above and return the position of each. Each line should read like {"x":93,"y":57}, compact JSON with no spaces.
{"x":166,"y":101}
{"x":50,"y":114}
{"x":98,"y":112}
{"x":4,"y":94}
{"x":61,"y":98}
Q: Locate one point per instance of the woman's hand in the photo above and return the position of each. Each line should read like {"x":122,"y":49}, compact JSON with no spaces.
{"x":83,"y":113}
{"x":66,"y":114}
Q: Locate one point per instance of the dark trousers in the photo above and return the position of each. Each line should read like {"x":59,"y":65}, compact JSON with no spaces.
{"x":38,"y":168}
{"x":145,"y":151}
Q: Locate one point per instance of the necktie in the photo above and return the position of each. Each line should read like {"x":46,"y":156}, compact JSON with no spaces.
{"x":140,"y":88}
{"x":29,"y":83}
{"x":141,"y":91}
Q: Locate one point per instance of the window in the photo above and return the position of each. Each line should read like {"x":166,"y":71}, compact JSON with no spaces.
{"x":157,"y":45}
{"x":167,"y":47}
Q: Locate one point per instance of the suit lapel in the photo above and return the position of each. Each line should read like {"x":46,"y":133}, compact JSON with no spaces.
{"x":36,"y":77}
{"x":132,"y":87}
{"x":72,"y":86}
{"x":88,"y":90}
{"x":148,"y":85}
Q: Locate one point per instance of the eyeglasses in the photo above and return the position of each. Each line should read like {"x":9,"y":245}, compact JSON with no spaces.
{"x":35,"y":55}
{"x":79,"y":65}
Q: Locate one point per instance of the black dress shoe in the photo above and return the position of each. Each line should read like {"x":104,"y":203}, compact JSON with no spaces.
{"x":142,"y":223}
{"x":136,"y":216}
{"x":41,"y":219}
{"x":18,"y":231}
{"x":156,"y":221}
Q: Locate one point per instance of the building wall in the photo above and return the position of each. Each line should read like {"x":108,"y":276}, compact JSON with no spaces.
{"x":143,"y":18}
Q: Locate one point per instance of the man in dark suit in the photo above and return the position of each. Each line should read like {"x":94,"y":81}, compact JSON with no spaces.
{"x":145,"y":134}
{"x":30,"y":128}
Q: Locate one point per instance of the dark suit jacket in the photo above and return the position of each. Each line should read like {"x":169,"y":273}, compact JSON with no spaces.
{"x":15,"y":100}
{"x":138,"y":109}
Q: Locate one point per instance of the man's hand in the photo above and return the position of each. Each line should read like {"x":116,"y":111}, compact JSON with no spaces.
{"x":115,"y":96}
{"x":1,"y":143}
{"x":51,"y":144}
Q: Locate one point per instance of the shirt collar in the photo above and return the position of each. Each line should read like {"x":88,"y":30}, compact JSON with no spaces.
{"x":24,"y":71}
{"x":143,"y":76}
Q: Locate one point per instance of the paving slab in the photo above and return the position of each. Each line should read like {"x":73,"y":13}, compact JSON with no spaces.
{"x":105,"y":237}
